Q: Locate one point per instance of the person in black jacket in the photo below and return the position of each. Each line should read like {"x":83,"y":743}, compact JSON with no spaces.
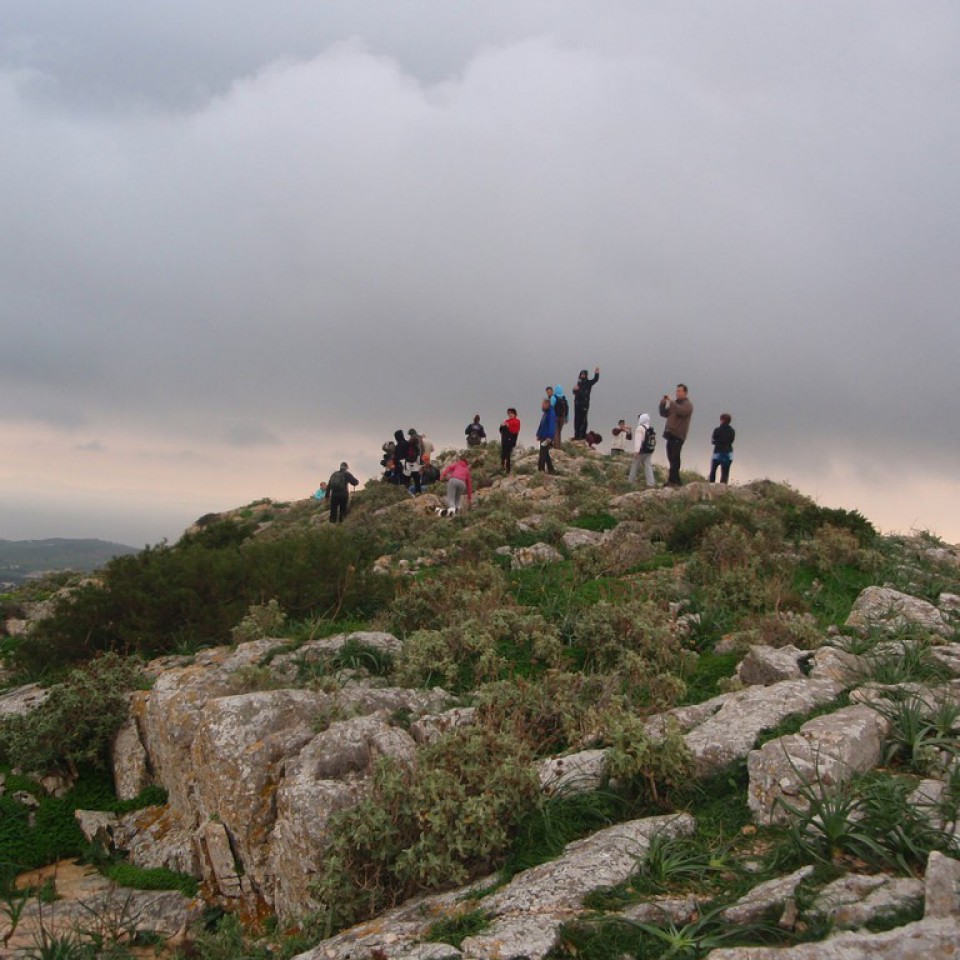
{"x":722,"y":439}
{"x":338,"y":492}
{"x":581,"y":403}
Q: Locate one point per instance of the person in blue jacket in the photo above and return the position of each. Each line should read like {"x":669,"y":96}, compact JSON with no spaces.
{"x":545,"y":434}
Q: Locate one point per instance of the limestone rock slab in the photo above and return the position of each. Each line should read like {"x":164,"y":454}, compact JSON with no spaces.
{"x":934,"y":939}
{"x":853,"y":901}
{"x":887,"y":609}
{"x":827,"y":749}
{"x":574,"y":773}
{"x":731,"y":732}
{"x":329,"y":774}
{"x":941,"y":886}
{"x":536,"y":555}
{"x":766,"y":897}
{"x":764,"y":665}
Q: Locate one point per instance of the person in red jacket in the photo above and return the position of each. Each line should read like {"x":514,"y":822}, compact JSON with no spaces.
{"x":509,"y":431}
{"x":459,"y":483}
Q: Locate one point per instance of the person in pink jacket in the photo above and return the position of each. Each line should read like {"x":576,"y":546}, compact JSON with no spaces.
{"x":459,"y":482}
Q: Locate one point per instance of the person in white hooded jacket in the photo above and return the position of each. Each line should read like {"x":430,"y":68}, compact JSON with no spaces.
{"x":642,"y":451}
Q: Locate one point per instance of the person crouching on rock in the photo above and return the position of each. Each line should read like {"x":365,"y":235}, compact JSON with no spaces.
{"x":459,"y":482}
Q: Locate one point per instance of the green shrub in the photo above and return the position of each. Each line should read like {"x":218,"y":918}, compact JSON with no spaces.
{"x":554,"y":712}
{"x":653,"y":766}
{"x":449,"y":595}
{"x":864,"y":819}
{"x":35,"y":838}
{"x":595,"y":521}
{"x":199,"y":590}
{"x":499,"y":643}
{"x":419,"y":829}
{"x":455,"y":929}
{"x":806,"y":518}
{"x":73,"y":726}
{"x":262,"y":620}
{"x":636,"y":636}
{"x":157,"y":878}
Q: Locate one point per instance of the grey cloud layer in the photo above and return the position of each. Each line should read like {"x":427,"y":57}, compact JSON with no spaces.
{"x":243,"y":226}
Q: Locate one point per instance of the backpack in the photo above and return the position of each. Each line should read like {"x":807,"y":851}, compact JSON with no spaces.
{"x":562,"y":408}
{"x":649,"y":441}
{"x":337,"y":482}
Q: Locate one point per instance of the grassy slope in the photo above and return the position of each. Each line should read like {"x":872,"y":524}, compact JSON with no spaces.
{"x":770,"y":567}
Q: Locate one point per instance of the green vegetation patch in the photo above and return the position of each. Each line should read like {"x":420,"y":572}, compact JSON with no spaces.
{"x":455,"y":929}
{"x":157,"y":878}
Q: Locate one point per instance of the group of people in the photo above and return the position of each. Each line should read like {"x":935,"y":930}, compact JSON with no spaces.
{"x":677,"y":413}
{"x":407,"y":458}
{"x":407,"y":461}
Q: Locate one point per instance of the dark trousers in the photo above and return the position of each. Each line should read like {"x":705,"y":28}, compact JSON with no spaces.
{"x":724,"y":470}
{"x":545,"y":463}
{"x":338,"y":507}
{"x":580,"y":421}
{"x":674,"y":446}
{"x":506,"y":452}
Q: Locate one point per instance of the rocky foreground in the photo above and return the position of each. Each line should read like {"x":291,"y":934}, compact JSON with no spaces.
{"x":253,"y":778}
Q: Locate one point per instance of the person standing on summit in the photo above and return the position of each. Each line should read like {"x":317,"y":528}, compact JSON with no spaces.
{"x":581,"y":403}
{"x":678,"y":413}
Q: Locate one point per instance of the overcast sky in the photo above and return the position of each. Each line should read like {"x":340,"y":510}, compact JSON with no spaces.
{"x":242,"y":242}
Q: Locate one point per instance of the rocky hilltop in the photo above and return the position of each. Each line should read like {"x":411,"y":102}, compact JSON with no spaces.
{"x":581,"y":719}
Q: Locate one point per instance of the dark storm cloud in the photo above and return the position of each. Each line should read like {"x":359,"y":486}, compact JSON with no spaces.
{"x":238,"y":226}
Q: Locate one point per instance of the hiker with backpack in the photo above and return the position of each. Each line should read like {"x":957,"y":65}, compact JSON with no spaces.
{"x":459,"y":482}
{"x":644,"y":443}
{"x":475,"y":433}
{"x":545,"y":434}
{"x":561,"y":410}
{"x":509,"y":431}
{"x":338,"y":492}
{"x":621,"y":434}
{"x":413,"y":464}
{"x":678,"y":413}
{"x":581,"y":403}
{"x":722,"y":440}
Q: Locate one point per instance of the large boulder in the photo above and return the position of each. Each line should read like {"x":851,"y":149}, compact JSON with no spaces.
{"x":764,"y":665}
{"x":827,"y":749}
{"x":22,"y":700}
{"x":883,"y":608}
{"x":236,"y":758}
{"x":329,"y":774}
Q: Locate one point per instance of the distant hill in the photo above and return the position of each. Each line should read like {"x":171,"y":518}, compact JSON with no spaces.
{"x":21,"y":559}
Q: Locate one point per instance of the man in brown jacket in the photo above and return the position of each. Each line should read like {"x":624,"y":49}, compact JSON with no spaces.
{"x":678,"y":413}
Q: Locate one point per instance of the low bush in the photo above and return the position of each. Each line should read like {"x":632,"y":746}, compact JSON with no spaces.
{"x":73,"y":726}
{"x":198,"y":591}
{"x":498,"y":643}
{"x":157,"y":878}
{"x":420,"y":829}
{"x":806,"y":518}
